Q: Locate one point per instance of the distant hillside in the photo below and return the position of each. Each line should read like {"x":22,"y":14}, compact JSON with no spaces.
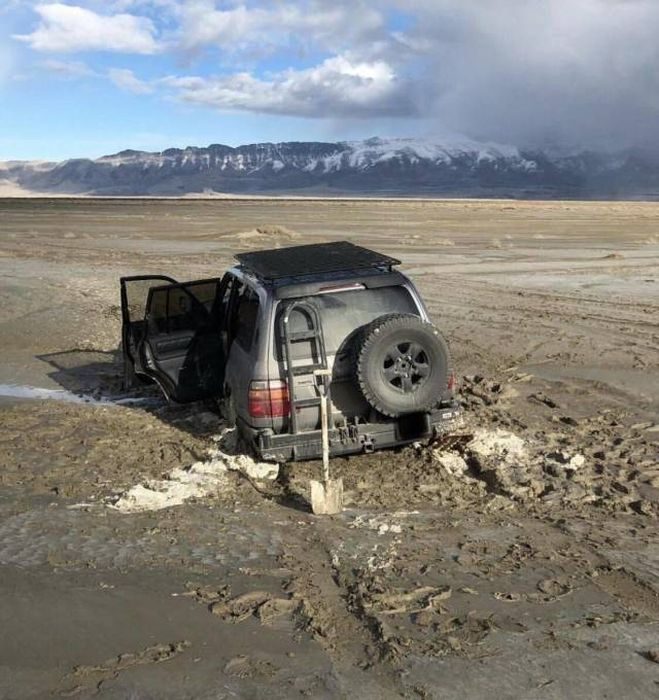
{"x":376,"y":167}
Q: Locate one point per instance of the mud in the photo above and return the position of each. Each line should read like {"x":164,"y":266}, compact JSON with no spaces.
{"x":142,"y":555}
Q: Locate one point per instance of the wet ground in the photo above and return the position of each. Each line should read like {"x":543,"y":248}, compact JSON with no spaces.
{"x":520,"y":558}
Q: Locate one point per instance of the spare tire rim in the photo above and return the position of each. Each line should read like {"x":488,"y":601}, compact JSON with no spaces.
{"x":405,"y":366}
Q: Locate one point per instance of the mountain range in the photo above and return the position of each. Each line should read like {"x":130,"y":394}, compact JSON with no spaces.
{"x":375,"y":167}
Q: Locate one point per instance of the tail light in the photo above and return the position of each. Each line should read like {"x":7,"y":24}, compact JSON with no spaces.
{"x":268,"y":399}
{"x":452,"y":382}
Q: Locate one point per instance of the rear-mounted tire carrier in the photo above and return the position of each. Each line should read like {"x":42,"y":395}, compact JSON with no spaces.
{"x":402,"y":365}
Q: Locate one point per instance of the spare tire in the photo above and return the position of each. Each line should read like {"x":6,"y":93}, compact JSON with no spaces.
{"x":402,"y":364}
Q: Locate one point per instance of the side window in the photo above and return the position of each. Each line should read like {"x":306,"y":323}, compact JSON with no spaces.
{"x":246,"y":316}
{"x":224,"y":301}
{"x":184,"y":311}
{"x":156,"y":312}
{"x":236,"y":291}
{"x":190,"y":307}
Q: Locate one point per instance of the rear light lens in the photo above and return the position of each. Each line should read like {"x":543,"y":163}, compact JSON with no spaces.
{"x":452,"y":382}
{"x":268,"y":399}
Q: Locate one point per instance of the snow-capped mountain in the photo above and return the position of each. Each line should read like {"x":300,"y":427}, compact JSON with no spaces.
{"x":372,"y":167}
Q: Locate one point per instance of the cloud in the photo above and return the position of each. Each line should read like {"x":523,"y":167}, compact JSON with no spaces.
{"x":339,"y":86}
{"x":526,"y":72}
{"x":68,"y":69}
{"x":538,"y":71}
{"x":68,"y":29}
{"x":316,"y":23}
{"x":127,"y":80}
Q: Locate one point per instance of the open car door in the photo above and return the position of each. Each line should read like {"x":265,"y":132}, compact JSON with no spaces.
{"x":134,"y":294}
{"x":182,"y":346}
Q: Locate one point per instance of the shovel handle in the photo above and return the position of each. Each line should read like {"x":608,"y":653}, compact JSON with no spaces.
{"x":324,"y":429}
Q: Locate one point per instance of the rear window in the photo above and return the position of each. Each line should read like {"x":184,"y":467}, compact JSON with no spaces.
{"x":342,"y":313}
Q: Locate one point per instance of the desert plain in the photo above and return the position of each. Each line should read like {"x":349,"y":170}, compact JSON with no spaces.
{"x":518,"y":558}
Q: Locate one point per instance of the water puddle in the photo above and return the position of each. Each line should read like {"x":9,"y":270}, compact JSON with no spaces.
{"x":21,"y":391}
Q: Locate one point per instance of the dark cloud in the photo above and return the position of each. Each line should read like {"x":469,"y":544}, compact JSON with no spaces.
{"x":582,"y":73}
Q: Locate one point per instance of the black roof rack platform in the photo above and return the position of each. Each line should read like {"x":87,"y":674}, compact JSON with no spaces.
{"x":316,"y":258}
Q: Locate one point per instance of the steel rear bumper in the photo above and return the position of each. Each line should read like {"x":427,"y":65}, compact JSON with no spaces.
{"x":364,"y":437}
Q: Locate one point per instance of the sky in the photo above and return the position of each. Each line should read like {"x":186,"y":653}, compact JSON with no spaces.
{"x":85,"y":78}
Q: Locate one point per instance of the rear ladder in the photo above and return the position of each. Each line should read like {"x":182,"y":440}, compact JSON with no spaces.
{"x":319,"y":368}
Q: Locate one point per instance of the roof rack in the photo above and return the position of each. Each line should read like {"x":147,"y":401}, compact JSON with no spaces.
{"x":316,"y":258}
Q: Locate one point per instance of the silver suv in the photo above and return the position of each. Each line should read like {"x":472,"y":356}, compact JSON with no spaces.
{"x":283,"y":326}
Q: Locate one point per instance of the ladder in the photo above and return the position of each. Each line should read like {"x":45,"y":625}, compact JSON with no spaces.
{"x":318,"y":368}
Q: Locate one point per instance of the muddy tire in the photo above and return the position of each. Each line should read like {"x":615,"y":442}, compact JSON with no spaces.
{"x":402,"y":365}
{"x":228,"y":409}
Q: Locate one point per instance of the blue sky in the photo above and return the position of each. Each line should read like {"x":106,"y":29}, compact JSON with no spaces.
{"x":83,"y":78}
{"x":67,"y":92}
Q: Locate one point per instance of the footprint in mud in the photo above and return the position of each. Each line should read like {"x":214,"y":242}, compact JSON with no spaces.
{"x":554,"y":588}
{"x":88,"y":676}
{"x":550,"y":590}
{"x":459,"y":635}
{"x":424,"y":599}
{"x":248,"y":667}
{"x":262,"y":604}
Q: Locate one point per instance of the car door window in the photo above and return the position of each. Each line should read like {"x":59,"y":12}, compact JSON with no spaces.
{"x":134,"y":294}
{"x":183,"y":347}
{"x":184,"y":308}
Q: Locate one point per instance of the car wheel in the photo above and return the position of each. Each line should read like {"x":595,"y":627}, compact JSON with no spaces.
{"x":402,"y":365}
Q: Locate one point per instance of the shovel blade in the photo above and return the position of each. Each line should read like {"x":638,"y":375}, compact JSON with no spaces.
{"x":327,"y":497}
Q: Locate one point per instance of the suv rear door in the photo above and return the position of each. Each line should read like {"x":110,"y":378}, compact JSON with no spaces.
{"x":180,"y":342}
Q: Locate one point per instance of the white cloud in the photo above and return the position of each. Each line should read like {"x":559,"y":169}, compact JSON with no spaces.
{"x":127,"y":80}
{"x":68,"y":69}
{"x":315,"y":23}
{"x":339,"y":86}
{"x":68,"y":28}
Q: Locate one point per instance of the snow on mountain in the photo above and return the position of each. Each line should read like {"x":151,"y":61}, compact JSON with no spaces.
{"x":455,"y":166}
{"x":379,"y":150}
{"x":351,"y":154}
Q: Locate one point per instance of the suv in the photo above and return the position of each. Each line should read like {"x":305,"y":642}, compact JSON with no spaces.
{"x":281,"y":328}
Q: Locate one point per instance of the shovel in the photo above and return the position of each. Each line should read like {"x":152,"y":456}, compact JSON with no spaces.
{"x":326,"y":496}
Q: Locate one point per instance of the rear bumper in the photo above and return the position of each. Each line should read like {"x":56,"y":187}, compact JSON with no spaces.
{"x":365,"y":437}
